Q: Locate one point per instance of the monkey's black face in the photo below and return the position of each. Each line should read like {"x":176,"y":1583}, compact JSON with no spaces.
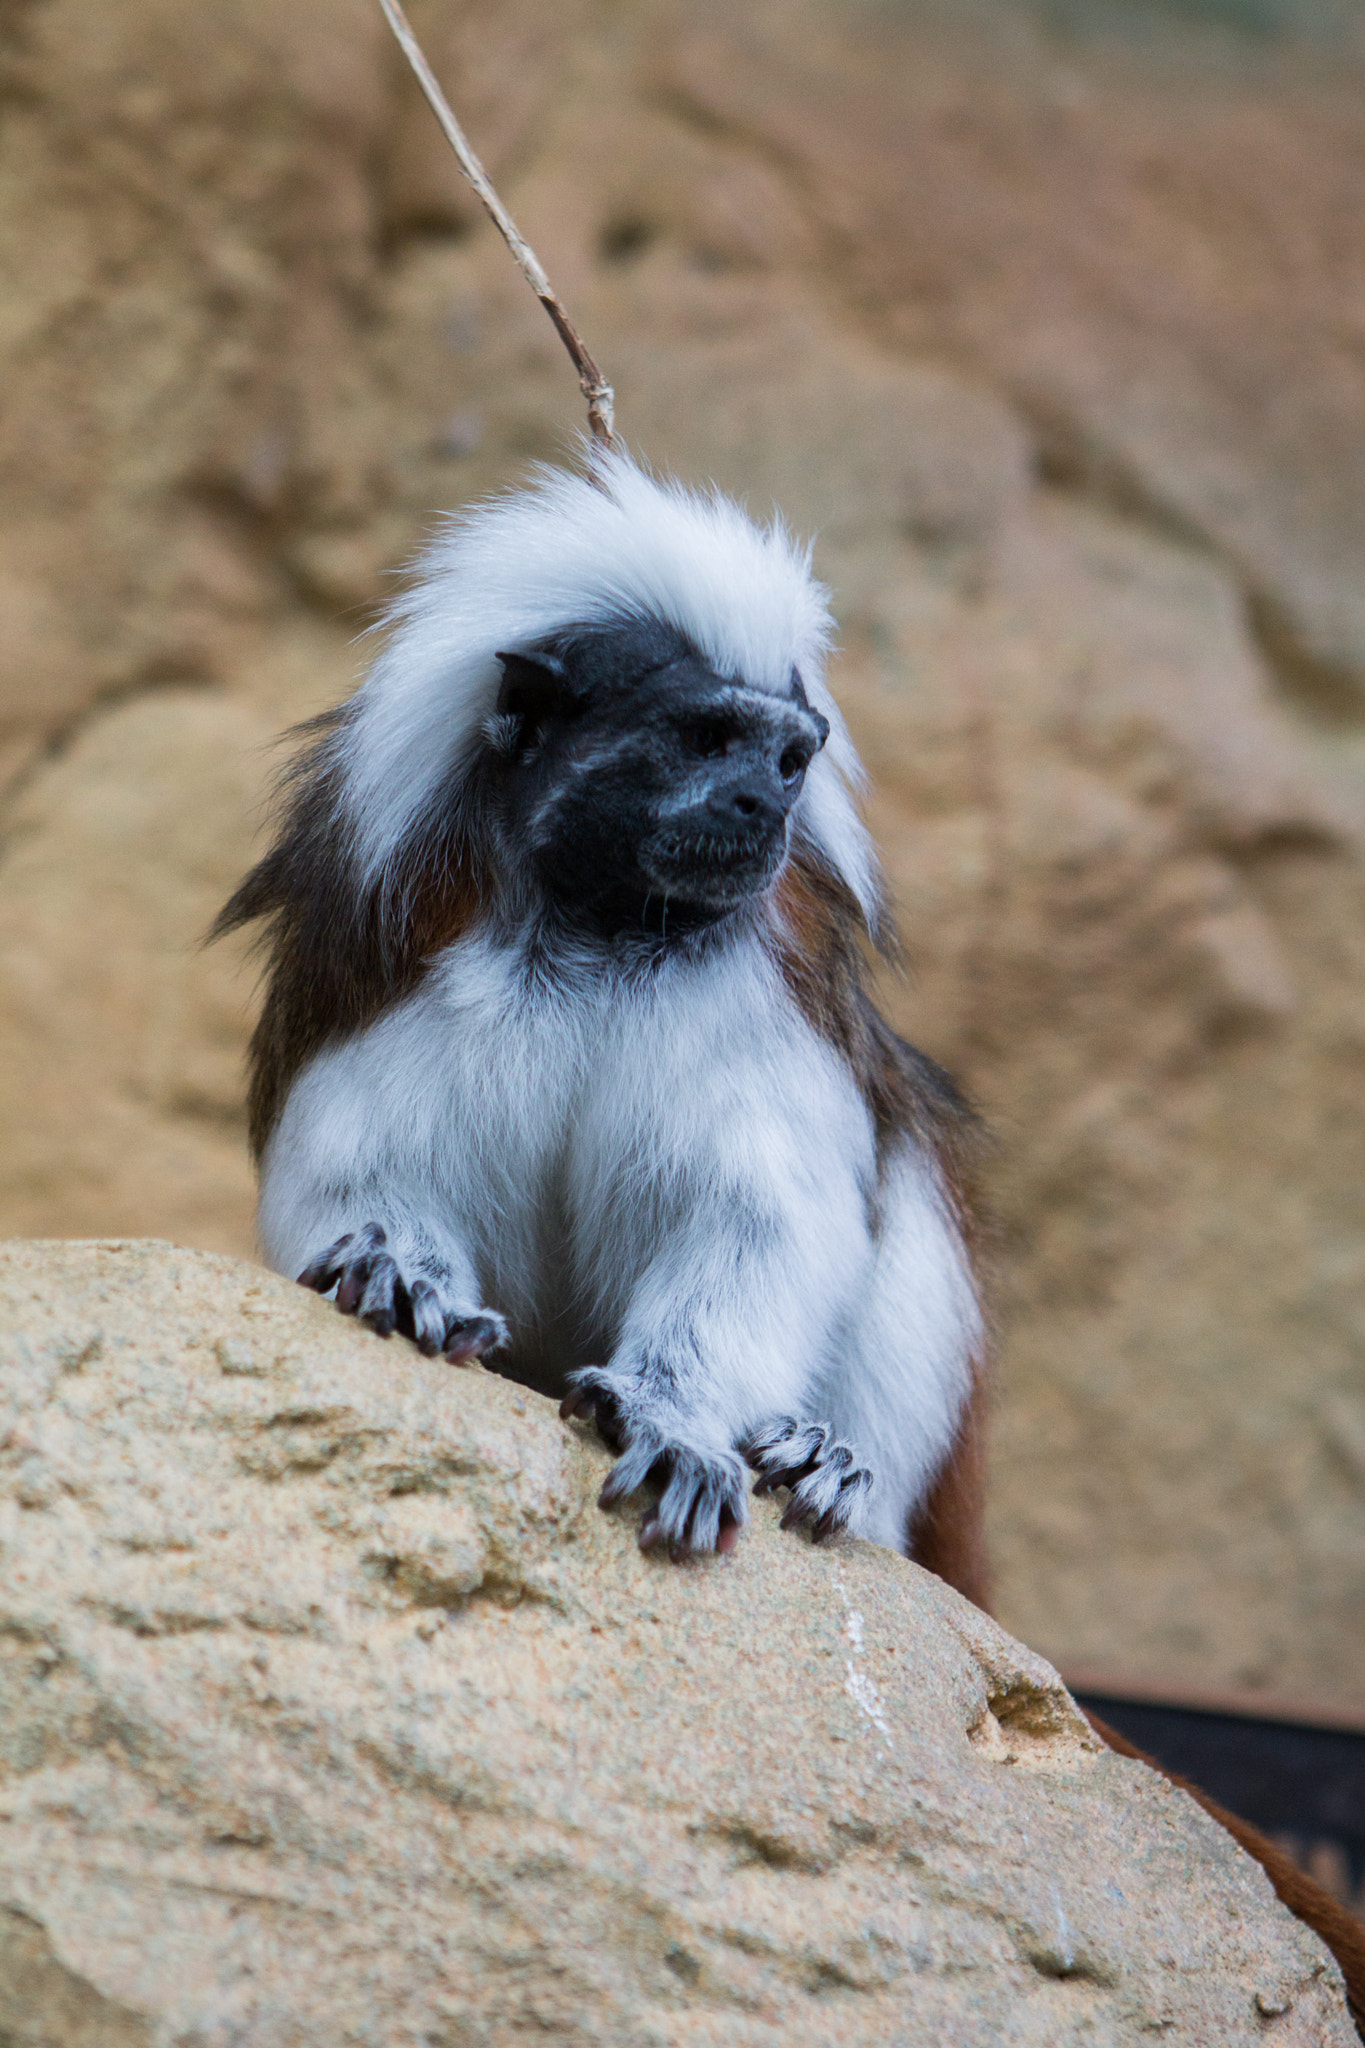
{"x":647,"y":790}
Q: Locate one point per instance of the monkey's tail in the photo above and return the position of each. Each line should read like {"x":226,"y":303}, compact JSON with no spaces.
{"x":1307,"y":1901}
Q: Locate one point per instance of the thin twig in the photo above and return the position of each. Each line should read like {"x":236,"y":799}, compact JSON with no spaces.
{"x":592,"y":383}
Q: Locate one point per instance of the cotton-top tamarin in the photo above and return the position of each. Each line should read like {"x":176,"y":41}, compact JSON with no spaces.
{"x":566,"y":1053}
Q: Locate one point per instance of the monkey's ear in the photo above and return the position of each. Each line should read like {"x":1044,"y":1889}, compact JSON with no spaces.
{"x":535,"y":688}
{"x":799,"y":696}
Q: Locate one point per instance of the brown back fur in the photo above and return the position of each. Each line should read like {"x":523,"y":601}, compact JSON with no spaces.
{"x":337,"y":953}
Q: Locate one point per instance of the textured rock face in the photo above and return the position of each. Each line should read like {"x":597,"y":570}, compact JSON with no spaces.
{"x":334,"y":1711}
{"x":1047,"y":321}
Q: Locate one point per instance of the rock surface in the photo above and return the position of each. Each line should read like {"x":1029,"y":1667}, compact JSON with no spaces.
{"x":335,"y":1712}
{"x":1046,"y":317}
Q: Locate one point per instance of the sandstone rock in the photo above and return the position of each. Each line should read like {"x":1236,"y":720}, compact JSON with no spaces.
{"x":334,"y":1711}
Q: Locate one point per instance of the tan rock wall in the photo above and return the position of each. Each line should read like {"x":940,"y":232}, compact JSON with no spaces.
{"x":1051,"y":334}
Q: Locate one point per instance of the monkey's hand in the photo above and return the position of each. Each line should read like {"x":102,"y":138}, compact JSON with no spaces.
{"x":371,"y":1285}
{"x":703,"y":1498}
{"x":824,"y":1479}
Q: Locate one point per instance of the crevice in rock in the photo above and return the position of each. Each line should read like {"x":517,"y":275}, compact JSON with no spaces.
{"x":1059,"y":1963}
{"x":625,"y":238}
{"x":748,"y":1843}
{"x":480,"y":1792}
{"x":439,"y":1477}
{"x":305,"y":1418}
{"x":1326,"y":692}
{"x":141,"y":1621}
{"x":827,"y":1978}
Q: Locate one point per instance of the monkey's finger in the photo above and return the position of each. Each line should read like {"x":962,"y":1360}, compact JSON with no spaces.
{"x":362,"y":1250}
{"x":855,"y":1486}
{"x":429,"y":1318}
{"x":631,"y":1470}
{"x":756,"y":1447}
{"x":785,"y":1461}
{"x":326,"y":1270}
{"x":354,"y":1281}
{"x":594,"y":1398}
{"x":818,"y":1492}
{"x":472,"y":1337}
{"x":782,"y":1475}
{"x":321,"y":1278}
{"x":377,"y":1305}
{"x":698,"y":1493}
{"x":728,"y":1534}
{"x":829,"y":1509}
{"x":701,"y":1527}
{"x":840,"y":1514}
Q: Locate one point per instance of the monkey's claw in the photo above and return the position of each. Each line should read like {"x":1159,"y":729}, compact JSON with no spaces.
{"x":702,"y":1504}
{"x":472,"y":1337}
{"x":825,"y":1483}
{"x":371,"y":1286}
{"x":591,"y":1398}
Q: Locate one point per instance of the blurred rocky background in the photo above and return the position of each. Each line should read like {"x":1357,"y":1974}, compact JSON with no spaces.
{"x":1048,"y":318}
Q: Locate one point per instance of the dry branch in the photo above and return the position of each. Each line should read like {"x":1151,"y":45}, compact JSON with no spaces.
{"x":592,"y":383}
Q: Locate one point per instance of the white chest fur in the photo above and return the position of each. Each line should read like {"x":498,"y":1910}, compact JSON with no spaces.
{"x":669,"y":1169}
{"x":566,"y":1120}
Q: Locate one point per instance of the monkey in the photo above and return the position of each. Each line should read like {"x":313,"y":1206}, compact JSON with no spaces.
{"x":567,"y":1059}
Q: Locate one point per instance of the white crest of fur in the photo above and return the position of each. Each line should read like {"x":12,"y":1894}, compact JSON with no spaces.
{"x":567,"y":550}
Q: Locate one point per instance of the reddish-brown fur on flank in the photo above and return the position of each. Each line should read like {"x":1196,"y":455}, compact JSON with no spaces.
{"x":444,"y":909}
{"x":818,"y":939}
{"x":1307,"y":1901}
{"x":947,"y":1533}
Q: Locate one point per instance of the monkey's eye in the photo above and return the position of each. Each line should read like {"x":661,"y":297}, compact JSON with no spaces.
{"x":794,"y":762}
{"x":707,"y":738}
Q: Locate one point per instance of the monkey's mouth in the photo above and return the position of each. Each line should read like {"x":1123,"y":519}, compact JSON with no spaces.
{"x":711,"y":868}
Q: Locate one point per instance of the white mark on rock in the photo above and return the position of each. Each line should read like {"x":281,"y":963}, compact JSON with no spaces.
{"x":865,"y":1696}
{"x":857,"y":1684}
{"x":1065,"y":1946}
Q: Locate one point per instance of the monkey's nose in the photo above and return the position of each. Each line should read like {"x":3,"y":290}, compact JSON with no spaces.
{"x":743,"y":806}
